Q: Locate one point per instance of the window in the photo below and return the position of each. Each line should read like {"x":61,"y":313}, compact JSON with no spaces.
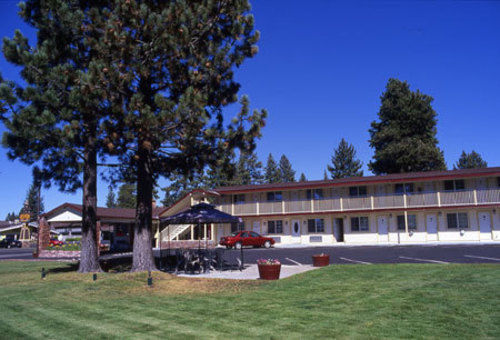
{"x":403,"y":188}
{"x":238,"y":199}
{"x":498,"y":182}
{"x":357,"y":191}
{"x":274,"y":196}
{"x":315,"y":194}
{"x":237,"y":226}
{"x":454,"y":185}
{"x":254,"y":234}
{"x":412,"y":222}
{"x":275,"y":227}
{"x":316,"y":225}
{"x":359,"y":223}
{"x":457,"y":221}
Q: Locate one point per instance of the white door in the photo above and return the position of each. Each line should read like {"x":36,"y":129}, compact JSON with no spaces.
{"x":484,"y":225}
{"x":431,"y":227}
{"x":256,"y":227}
{"x":296,"y":228}
{"x":383,"y":234}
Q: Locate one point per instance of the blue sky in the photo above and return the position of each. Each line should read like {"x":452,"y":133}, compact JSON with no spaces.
{"x":322,"y":67}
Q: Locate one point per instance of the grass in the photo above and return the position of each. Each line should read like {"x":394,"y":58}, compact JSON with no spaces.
{"x":345,"y":301}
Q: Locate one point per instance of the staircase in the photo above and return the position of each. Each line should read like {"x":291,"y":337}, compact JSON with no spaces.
{"x":173,"y":230}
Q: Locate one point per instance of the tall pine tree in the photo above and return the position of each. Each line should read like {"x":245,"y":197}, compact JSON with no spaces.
{"x":127,"y":196}
{"x":271,"y":171}
{"x":54,"y":121}
{"x":287,"y":174}
{"x":170,"y":73}
{"x":404,"y":138}
{"x":248,"y":170}
{"x":471,"y":160}
{"x":34,"y":201}
{"x":11,"y":217}
{"x":111,"y":198}
{"x":344,"y":162}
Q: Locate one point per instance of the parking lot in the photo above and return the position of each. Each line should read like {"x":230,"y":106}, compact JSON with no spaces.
{"x":367,"y":255}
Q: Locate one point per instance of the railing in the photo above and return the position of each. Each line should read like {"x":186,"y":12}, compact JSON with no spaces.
{"x":457,"y":197}
{"x":298,"y":205}
{"x":270,"y":207}
{"x":173,"y":230}
{"x":389,"y":201}
{"x":249,"y":208}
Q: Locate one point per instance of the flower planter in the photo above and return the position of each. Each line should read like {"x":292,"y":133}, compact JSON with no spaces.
{"x":322,"y":260}
{"x":269,"y":271}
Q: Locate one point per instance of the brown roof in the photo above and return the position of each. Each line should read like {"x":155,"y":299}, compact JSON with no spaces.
{"x":123,"y":213}
{"x":410,"y":176}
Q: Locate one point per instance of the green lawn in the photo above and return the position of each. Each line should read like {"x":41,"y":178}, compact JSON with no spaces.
{"x":359,"y":301}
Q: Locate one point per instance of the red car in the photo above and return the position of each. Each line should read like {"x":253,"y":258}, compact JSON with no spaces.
{"x":239,"y":239}
{"x":55,"y":243}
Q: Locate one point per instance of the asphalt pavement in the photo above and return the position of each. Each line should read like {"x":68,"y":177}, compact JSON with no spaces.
{"x":439,"y":254}
{"x":16,"y":253}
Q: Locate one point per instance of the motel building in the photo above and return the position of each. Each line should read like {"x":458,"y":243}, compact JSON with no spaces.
{"x":435,"y":207}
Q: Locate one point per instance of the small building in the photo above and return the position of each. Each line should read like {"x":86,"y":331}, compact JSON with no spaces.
{"x":26,"y":233}
{"x":114,"y":224}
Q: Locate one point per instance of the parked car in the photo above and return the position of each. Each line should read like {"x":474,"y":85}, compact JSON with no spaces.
{"x":243,"y":238}
{"x":55,"y":242}
{"x":10,"y":243}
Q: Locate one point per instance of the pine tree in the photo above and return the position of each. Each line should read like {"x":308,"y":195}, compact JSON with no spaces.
{"x":34,"y":201}
{"x":287,"y":174}
{"x":248,"y":170}
{"x":271,"y":171}
{"x":127,"y":196}
{"x":54,"y":121}
{"x":111,"y":198}
{"x":220,"y":174}
{"x":471,"y":160}
{"x":302,"y":178}
{"x":170,"y":73}
{"x":344,"y":162}
{"x":404,"y":138}
{"x":325,"y":176}
{"x":180,"y":186}
{"x":11,"y":217}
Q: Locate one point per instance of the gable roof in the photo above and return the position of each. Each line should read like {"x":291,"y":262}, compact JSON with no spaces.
{"x":392,"y":178}
{"x":118,"y":213}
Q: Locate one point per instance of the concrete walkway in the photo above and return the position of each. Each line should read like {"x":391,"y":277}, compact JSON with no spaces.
{"x":251,"y":272}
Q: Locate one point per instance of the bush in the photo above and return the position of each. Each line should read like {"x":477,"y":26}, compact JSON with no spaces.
{"x":65,"y":247}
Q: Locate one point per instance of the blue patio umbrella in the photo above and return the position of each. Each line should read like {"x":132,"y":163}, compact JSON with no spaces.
{"x":199,"y":214}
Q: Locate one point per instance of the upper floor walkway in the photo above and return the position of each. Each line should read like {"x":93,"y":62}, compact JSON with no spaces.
{"x":435,"y":199}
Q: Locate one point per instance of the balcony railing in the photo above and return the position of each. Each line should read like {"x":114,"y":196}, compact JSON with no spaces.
{"x":390,"y":201}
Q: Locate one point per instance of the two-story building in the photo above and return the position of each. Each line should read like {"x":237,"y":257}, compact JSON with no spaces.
{"x":435,"y":206}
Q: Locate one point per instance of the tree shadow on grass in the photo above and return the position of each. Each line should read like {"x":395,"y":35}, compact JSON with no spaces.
{"x":117,"y":265}
{"x":69,"y":267}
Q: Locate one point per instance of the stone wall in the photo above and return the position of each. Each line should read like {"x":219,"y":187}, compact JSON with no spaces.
{"x":59,"y":254}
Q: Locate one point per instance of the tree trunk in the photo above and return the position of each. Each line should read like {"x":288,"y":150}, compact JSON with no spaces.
{"x":143,"y":258}
{"x":89,"y":260}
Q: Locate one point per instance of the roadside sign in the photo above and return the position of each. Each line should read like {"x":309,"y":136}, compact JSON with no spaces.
{"x":24,"y":217}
